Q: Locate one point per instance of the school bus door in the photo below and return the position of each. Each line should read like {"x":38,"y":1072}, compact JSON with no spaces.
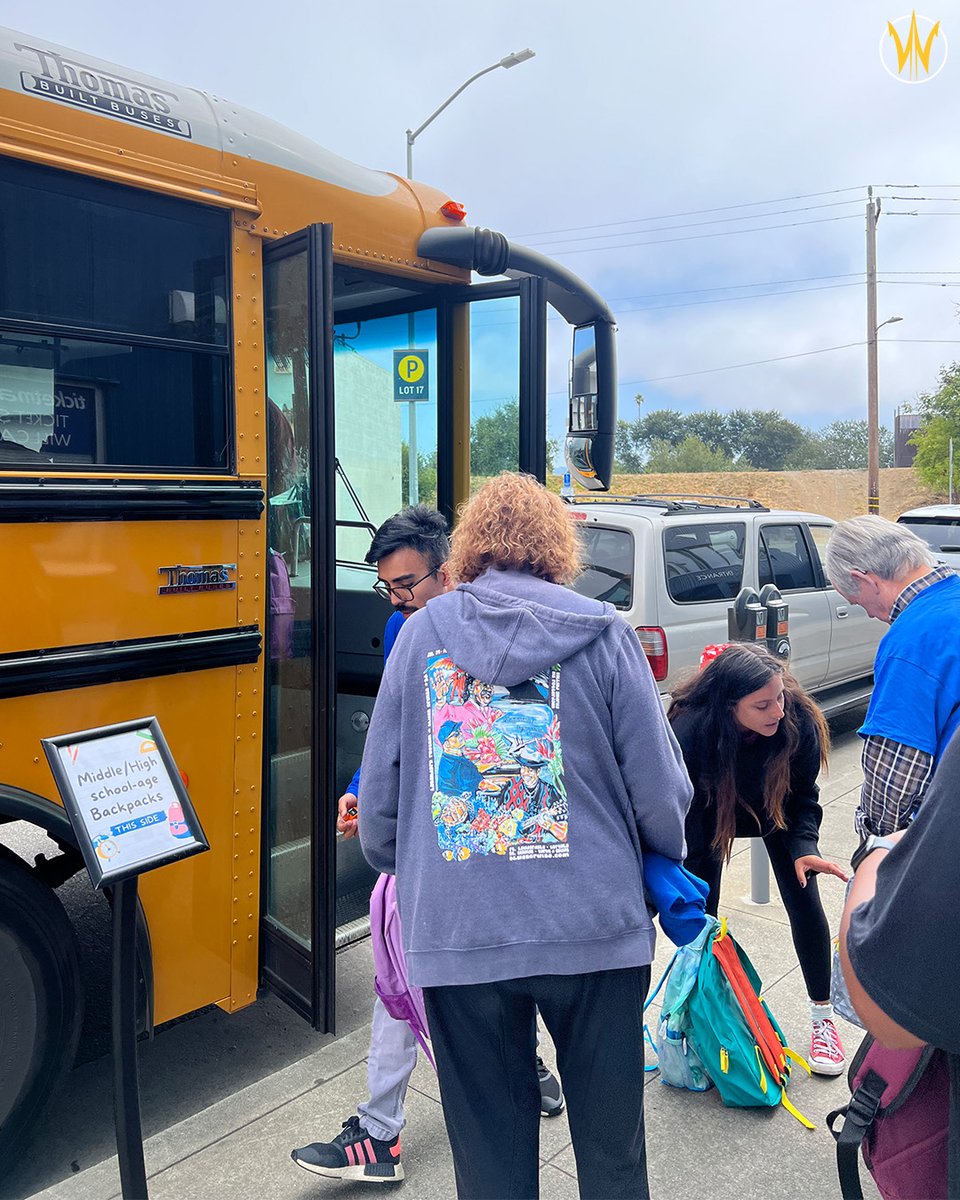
{"x":299,"y":850}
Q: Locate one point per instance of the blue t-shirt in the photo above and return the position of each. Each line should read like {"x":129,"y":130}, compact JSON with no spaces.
{"x":390,"y":632}
{"x":916,"y":696}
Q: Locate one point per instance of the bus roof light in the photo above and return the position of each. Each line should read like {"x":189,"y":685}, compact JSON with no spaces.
{"x":453,"y":210}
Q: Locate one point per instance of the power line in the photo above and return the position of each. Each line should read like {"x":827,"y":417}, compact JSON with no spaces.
{"x":939,"y":283}
{"x":699,"y":212}
{"x":785,"y":357}
{"x":695,"y":237}
{"x":737,"y":366}
{"x":731,"y":299}
{"x":698,"y":224}
{"x":729,"y":287}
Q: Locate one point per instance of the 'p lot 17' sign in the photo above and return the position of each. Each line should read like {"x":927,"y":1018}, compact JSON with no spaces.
{"x":411,"y":375}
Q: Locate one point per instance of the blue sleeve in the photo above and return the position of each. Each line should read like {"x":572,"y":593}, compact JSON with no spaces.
{"x":904,"y":705}
{"x":390,"y":631}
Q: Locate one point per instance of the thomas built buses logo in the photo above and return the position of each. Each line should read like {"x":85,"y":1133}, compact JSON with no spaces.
{"x":85,"y":85}
{"x":913,"y":49}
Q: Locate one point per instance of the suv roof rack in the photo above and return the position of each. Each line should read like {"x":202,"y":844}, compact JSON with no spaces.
{"x":676,"y":501}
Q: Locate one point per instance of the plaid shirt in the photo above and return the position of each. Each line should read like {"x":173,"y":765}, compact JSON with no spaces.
{"x":895,"y":776}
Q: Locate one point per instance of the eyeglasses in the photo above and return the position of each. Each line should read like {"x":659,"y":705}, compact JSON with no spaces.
{"x":405,"y":593}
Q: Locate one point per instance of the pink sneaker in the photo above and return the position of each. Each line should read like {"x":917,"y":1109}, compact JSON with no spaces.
{"x":826,"y":1052}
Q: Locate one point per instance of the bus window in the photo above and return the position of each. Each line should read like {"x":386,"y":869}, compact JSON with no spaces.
{"x":114,"y":305}
{"x":290,"y":804}
{"x":494,"y":388}
{"x":375,"y":429}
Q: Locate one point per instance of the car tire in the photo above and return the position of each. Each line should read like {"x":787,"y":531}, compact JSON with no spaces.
{"x":40,"y":999}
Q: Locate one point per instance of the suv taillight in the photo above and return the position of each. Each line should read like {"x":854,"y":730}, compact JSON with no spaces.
{"x":654,"y":643}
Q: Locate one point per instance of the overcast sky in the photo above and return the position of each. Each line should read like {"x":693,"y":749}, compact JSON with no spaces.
{"x":606,"y":149}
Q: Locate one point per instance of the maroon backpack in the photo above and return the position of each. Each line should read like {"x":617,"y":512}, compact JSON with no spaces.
{"x":900,"y":1114}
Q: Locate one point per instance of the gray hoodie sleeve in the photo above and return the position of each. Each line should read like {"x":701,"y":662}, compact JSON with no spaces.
{"x":650,"y":760}
{"x":379,"y":799}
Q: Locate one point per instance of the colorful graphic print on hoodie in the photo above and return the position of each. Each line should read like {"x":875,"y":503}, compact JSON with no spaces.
{"x":496,"y":764}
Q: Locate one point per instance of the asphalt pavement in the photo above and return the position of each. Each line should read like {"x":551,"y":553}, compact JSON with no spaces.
{"x":225,"y":1098}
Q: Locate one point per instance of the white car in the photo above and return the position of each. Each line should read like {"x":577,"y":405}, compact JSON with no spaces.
{"x":939,"y":526}
{"x":674,"y":565}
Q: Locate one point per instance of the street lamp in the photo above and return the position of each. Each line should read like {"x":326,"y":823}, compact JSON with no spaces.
{"x":511,"y":60}
{"x":873,"y":419}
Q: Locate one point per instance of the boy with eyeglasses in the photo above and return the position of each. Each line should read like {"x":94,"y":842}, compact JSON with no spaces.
{"x":410,"y":551}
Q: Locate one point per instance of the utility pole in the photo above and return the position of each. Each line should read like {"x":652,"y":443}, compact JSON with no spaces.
{"x":873,"y":420}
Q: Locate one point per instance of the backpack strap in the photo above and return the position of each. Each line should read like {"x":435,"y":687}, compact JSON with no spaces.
{"x":858,"y":1117}
{"x":795,"y":1112}
{"x":663,"y":979}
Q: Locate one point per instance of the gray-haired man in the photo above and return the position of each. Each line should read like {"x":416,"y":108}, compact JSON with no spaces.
{"x":915,"y":707}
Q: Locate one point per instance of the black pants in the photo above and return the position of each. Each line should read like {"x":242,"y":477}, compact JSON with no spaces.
{"x":808,"y":922}
{"x":484,"y":1040}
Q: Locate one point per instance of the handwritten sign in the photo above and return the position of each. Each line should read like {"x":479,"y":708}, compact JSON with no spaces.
{"x":125,"y":798}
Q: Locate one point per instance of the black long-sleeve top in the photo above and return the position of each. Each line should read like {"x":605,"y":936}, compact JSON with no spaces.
{"x":802,"y":809}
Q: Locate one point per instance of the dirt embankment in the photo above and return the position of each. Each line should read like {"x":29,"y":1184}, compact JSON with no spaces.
{"x":836,"y":494}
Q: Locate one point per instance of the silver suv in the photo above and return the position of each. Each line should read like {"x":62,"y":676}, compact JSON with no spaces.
{"x":673,"y":566}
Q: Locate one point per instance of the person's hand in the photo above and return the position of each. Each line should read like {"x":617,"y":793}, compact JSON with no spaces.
{"x":814,"y":864}
{"x":347,"y":815}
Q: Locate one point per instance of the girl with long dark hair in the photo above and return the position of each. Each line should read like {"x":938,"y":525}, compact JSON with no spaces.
{"x":754,"y":742}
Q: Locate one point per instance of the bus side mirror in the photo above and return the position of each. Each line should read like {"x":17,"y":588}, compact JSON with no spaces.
{"x":592,"y":419}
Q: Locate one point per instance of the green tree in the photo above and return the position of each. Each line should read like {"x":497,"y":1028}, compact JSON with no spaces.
{"x":712,"y":428}
{"x":939,"y":422}
{"x":629,"y":449}
{"x":691,"y":456}
{"x":495,"y":439}
{"x":426,"y":474}
{"x":765,"y":439}
{"x":662,"y":425}
{"x":842,"y":446}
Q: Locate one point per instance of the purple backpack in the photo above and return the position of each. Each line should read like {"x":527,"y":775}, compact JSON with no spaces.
{"x":401,"y":999}
{"x":900,"y":1114}
{"x":281,"y":609}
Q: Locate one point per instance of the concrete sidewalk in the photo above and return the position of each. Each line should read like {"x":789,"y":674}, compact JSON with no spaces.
{"x":240,"y":1146}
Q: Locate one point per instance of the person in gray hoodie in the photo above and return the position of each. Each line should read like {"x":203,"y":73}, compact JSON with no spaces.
{"x":520,"y":881}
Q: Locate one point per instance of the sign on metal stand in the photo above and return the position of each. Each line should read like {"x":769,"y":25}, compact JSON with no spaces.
{"x":131,"y":813}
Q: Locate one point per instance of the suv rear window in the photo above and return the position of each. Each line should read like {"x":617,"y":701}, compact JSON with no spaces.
{"x":703,"y":562}
{"x":940,"y":533}
{"x":607,"y":565}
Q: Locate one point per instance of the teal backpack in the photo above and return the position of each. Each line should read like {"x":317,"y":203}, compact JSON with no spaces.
{"x":717,"y":1026}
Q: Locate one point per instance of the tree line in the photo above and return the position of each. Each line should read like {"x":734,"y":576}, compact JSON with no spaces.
{"x":669,"y":441}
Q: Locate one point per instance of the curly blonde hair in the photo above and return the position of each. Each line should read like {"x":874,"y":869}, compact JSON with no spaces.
{"x":513,"y":523}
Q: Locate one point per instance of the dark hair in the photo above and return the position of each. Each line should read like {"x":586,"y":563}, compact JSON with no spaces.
{"x":739,"y":671}
{"x":419,"y":528}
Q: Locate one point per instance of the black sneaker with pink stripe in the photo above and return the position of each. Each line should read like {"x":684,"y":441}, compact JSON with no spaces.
{"x":353,"y":1154}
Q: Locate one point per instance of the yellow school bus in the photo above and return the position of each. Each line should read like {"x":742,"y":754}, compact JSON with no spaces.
{"x":226,"y":355}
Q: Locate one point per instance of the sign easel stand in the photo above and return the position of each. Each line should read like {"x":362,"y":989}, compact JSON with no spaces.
{"x":129,"y":808}
{"x":126,"y":1072}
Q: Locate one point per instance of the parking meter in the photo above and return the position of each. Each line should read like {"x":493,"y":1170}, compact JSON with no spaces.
{"x":747,"y":617}
{"x":778,"y":621}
